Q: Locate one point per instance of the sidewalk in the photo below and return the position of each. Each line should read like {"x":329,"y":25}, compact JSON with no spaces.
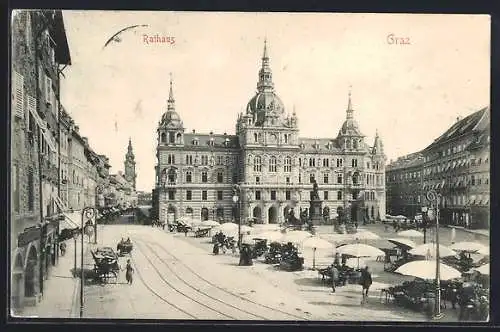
{"x":482,"y":232}
{"x":61,"y":298}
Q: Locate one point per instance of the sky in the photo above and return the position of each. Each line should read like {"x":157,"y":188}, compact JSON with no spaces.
{"x":411,"y":93}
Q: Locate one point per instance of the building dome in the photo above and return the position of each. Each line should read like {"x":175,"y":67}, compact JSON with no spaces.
{"x":350,"y":128}
{"x":171,"y":119}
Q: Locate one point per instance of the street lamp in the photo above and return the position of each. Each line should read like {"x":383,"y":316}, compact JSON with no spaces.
{"x":236,"y":199}
{"x":87,"y":213}
{"x":434,"y":197}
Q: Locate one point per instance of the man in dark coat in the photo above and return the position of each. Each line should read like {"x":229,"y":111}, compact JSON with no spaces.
{"x":366,"y":282}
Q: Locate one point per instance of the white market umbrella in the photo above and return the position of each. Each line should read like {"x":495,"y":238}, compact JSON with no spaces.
{"x":469,"y":247}
{"x":484,"y":269}
{"x":411,"y":233}
{"x":316,"y":242}
{"x":227,"y":227}
{"x":427,"y":270}
{"x":209,"y":223}
{"x":429,"y":251}
{"x":271,"y":236}
{"x":360,"y":250}
{"x":295,"y":236}
{"x":402,"y":242}
{"x":365,"y":235}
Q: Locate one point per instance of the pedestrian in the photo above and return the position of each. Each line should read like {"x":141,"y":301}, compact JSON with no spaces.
{"x":356,"y":225}
{"x":62,"y":248}
{"x":129,"y":273}
{"x":366,"y":282}
{"x":335,"y":276}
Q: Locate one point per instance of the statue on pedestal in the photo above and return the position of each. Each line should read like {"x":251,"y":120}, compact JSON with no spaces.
{"x":315,"y":195}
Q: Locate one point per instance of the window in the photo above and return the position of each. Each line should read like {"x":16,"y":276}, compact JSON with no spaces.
{"x":325,"y":162}
{"x":311,"y":178}
{"x":354,"y":195}
{"x":220,"y":177}
{"x":203,"y":195}
{"x":189,"y":195}
{"x":473,"y":180}
{"x":300,"y":178}
{"x":325,"y":178}
{"x":235,"y":178}
{"x":189,"y":160}
{"x":339,"y":195}
{"x":171,"y":195}
{"x":312,"y":162}
{"x":220,"y":160}
{"x":339,"y":162}
{"x":300,"y":161}
{"x":219,"y":195}
{"x":273,"y":195}
{"x":171,"y":159}
{"x":255,"y":138}
{"x":257,"y":195}
{"x":204,"y":177}
{"x":15,"y":187}
{"x":287,"y":180}
{"x":288,"y":195}
{"x":368,"y":164}
{"x":288,"y":165}
{"x":339,"y":178}
{"x":325,"y":195}
{"x":189,"y":177}
{"x":204,"y":160}
{"x":286,"y":138}
{"x":479,"y":161}
{"x":257,"y":164}
{"x":354,"y":163}
{"x":257,"y":179}
{"x":272,"y":164}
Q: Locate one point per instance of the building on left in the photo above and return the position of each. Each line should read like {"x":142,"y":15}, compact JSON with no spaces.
{"x":54,"y":171}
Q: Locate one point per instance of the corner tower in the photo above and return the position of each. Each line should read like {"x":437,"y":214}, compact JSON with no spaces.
{"x":129,"y":164}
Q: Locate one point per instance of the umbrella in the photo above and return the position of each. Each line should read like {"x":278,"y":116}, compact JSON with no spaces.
{"x":411,"y":233}
{"x":360,"y":250}
{"x":227,"y":227}
{"x":427,"y":270}
{"x":484,"y":269}
{"x":402,"y":242}
{"x":365,"y":235}
{"x":271,"y":236}
{"x":429,"y":250}
{"x":210,"y":223}
{"x":469,"y":247}
{"x":295,"y":236}
{"x":316,"y":243}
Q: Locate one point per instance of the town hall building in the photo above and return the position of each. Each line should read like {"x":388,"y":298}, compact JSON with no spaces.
{"x":272,"y":165}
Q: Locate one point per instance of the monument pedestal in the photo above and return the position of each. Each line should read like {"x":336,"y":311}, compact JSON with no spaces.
{"x":315,"y":209}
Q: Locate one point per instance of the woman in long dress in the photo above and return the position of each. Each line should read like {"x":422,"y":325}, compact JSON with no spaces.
{"x":129,"y":273}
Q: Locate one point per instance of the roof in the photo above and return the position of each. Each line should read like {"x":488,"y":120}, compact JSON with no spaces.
{"x":319,"y":145}
{"x":59,"y":34}
{"x":408,"y":161}
{"x":461,"y":127}
{"x":218,"y":140}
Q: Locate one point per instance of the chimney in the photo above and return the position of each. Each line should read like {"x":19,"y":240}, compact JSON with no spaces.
{"x":194,"y":131}
{"x":211,"y":133}
{"x":225,"y":134}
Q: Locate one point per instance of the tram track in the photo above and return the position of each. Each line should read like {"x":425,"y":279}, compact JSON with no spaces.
{"x":233,"y":294}
{"x":178,"y":276}
{"x":176,"y":289}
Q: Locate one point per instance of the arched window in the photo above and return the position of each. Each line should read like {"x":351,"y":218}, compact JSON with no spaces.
{"x":272,"y":164}
{"x":257,"y":164}
{"x":171,"y":138}
{"x":163,"y":137}
{"x":355,"y":143}
{"x":312,"y":162}
{"x":171,"y":176}
{"x":178,"y":138}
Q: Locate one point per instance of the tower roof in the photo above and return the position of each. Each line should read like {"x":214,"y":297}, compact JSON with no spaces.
{"x":350,"y":127}
{"x":171,"y":118}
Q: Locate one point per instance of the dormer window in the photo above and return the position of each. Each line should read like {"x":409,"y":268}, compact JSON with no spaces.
{"x":195,"y":141}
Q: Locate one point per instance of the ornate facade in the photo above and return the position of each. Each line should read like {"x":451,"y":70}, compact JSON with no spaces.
{"x":271,"y":163}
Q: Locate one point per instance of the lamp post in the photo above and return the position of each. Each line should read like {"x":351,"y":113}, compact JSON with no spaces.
{"x":433,"y":198}
{"x":75,"y":237}
{"x":87,"y":213}
{"x":236,"y":200}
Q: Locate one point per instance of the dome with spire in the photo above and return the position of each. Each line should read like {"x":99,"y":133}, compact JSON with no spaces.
{"x":266,"y":107}
{"x":350,"y":127}
{"x":171,"y":118}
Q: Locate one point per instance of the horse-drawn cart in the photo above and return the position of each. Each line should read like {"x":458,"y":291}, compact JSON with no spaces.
{"x":124,"y":247}
{"x":105,"y":264}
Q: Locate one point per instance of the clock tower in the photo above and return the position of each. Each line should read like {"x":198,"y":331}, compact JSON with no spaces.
{"x":130,"y":175}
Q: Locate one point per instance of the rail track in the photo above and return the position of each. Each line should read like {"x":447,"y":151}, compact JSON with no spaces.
{"x":232,"y":294}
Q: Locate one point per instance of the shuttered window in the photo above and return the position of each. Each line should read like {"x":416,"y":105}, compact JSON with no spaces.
{"x":18,"y":94}
{"x":15,"y":187}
